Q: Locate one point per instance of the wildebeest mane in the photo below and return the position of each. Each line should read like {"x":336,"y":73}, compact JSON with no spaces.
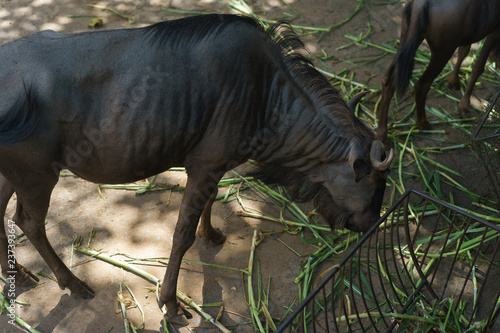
{"x":294,"y":56}
{"x":193,"y":28}
{"x":314,"y":84}
{"x":344,"y":129}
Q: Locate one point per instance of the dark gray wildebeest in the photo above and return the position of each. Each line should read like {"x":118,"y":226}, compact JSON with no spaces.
{"x":445,"y":25}
{"x":206,"y":92}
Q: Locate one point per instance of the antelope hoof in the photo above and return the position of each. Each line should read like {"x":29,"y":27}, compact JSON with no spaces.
{"x":80,"y":289}
{"x":214,"y":238}
{"x":454,"y":84}
{"x":181,"y":318}
{"x":424,"y":125}
{"x":464,"y":111}
{"x":22,"y":279}
{"x":25,"y":277}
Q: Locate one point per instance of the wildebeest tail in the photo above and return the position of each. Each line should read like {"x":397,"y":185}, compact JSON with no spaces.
{"x":19,"y":121}
{"x":410,"y":41}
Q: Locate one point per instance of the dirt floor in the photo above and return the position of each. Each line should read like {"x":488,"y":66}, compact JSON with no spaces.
{"x":142,"y":225}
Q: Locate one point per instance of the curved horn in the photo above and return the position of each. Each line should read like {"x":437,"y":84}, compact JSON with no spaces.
{"x":355,"y":99}
{"x":377,"y":150}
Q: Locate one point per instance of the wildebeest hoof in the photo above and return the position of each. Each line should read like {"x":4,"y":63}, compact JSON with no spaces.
{"x":214,"y":237}
{"x":181,"y":318}
{"x":424,"y":125}
{"x":80,"y":289}
{"x":22,"y":279}
{"x":454,"y":83}
{"x":464,"y":111}
{"x":25,"y":278}
{"x":178,"y":320}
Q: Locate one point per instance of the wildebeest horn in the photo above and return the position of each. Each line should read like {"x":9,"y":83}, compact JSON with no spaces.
{"x":355,"y":100}
{"x":377,"y":150}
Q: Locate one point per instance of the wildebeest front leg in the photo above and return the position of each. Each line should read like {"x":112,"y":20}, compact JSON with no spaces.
{"x":8,"y":261}
{"x":206,"y":231}
{"x":32,"y":205}
{"x":199,"y":188}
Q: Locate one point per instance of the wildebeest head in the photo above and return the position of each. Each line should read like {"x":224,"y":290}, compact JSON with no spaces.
{"x":350,"y":194}
{"x":347,"y":192}
{"x":336,"y":159}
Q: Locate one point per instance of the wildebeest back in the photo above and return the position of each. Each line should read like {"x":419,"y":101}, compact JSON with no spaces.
{"x":143,"y":95}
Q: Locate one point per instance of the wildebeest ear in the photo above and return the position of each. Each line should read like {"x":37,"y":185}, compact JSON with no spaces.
{"x":361,"y":169}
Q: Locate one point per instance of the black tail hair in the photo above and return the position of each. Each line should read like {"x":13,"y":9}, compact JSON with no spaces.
{"x":405,"y":58}
{"x":19,"y":122}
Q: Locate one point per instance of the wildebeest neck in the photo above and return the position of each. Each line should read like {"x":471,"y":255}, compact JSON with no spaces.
{"x":306,"y":119}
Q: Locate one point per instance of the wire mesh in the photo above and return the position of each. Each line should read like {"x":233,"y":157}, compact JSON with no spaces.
{"x":412,"y":272}
{"x":486,"y":143}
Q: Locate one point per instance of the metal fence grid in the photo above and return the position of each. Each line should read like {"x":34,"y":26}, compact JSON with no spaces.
{"x":486,"y":144}
{"x":412,"y":272}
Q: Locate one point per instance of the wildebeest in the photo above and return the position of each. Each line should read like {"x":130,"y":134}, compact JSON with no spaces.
{"x":446,"y":25}
{"x":206,"y":92}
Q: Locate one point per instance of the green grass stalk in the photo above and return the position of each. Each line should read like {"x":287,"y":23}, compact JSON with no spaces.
{"x":5,"y":306}
{"x":151,"y":278}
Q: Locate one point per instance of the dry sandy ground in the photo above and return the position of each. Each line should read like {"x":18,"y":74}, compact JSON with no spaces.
{"x":142,"y":226}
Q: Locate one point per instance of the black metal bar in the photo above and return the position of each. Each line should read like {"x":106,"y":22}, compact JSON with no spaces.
{"x":492,"y":319}
{"x":490,"y":107}
{"x":342,"y":262}
{"x":401,"y":278}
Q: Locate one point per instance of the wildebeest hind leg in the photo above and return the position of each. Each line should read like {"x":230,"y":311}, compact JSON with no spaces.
{"x":439,"y":58}
{"x":206,"y":232}
{"x":33,"y":197}
{"x":200,"y":187}
{"x":11,"y":269}
{"x":477,"y":70}
{"x":454,"y":78}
